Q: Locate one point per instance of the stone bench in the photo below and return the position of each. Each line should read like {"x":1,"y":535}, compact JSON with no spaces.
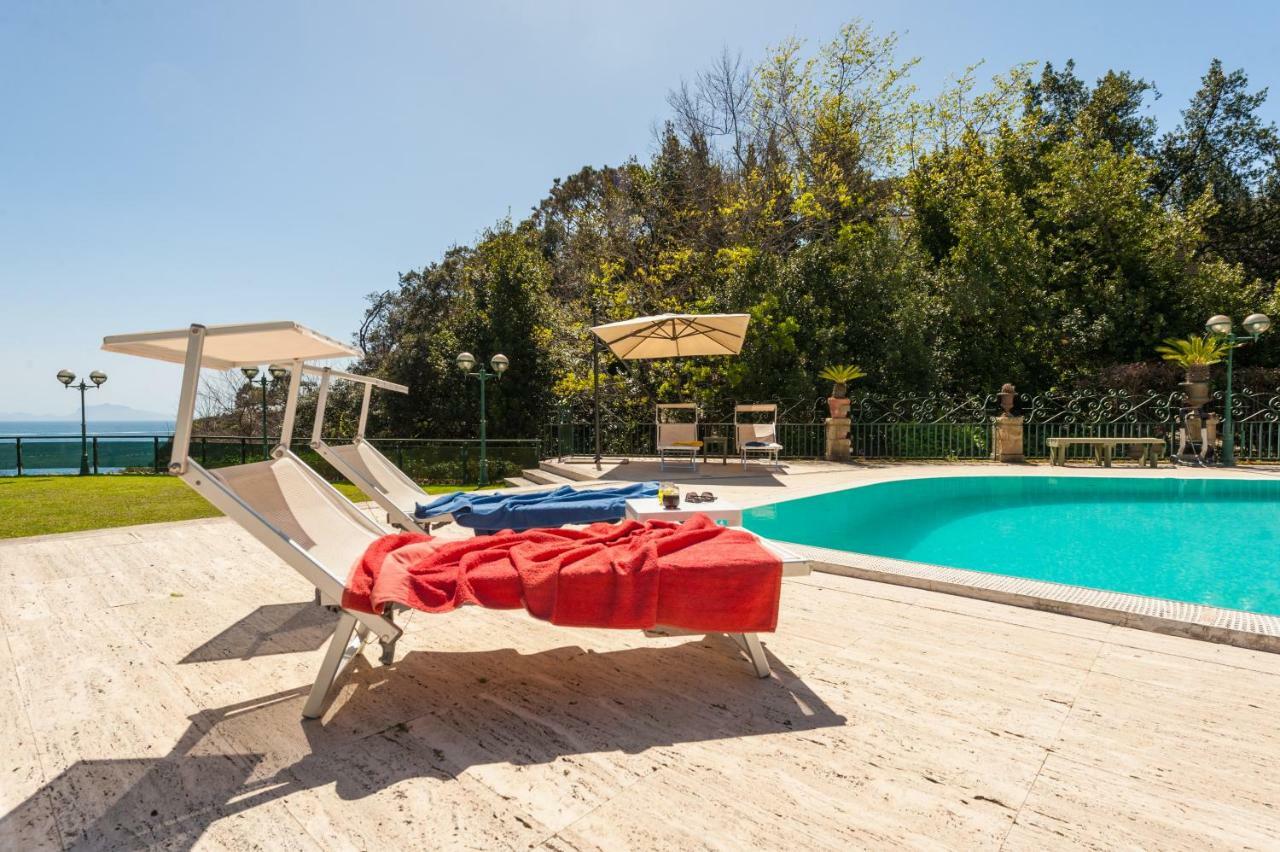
{"x":1104,"y":449}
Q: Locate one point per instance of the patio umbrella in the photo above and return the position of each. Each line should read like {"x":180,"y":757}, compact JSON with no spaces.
{"x":665,"y":336}
{"x":675,"y":335}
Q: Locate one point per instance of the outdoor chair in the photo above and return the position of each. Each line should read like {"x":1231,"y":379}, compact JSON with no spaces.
{"x":674,"y":438}
{"x":757,"y":437}
{"x":286,"y":505}
{"x":1198,"y":437}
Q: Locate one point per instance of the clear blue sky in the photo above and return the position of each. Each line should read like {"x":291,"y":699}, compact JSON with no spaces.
{"x":163,"y":163}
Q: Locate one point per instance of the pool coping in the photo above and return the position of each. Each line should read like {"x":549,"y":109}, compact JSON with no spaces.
{"x":1255,"y":631}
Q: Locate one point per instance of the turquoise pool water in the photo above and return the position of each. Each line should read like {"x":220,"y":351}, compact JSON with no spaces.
{"x":1208,"y":541}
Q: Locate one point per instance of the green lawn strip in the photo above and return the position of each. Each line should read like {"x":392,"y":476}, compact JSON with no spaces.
{"x":41,"y":505}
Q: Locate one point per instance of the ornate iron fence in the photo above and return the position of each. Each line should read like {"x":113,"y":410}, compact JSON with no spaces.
{"x":800,"y":431}
{"x":1093,"y":414}
{"x":928,"y":426}
{"x":906,"y":427}
{"x":941,"y":426}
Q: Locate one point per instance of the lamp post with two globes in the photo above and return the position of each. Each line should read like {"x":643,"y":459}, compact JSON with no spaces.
{"x":466,"y":362}
{"x":277,"y":373}
{"x":97,"y":377}
{"x":1255,"y":325}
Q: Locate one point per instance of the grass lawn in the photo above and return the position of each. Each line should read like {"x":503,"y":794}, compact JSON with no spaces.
{"x":39,"y":505}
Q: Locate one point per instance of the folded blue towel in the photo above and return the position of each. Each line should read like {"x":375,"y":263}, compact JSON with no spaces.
{"x":755,"y":444}
{"x":486,"y":513}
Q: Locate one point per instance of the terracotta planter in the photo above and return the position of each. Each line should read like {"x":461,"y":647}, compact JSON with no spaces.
{"x":838,"y":406}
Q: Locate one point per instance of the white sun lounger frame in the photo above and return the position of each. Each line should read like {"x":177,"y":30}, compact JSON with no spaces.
{"x":397,"y":515}
{"x":353,"y":629}
{"x":744,"y":432}
{"x":667,"y":433}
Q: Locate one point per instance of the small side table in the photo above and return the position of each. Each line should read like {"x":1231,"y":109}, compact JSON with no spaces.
{"x":720,"y":442}
{"x":723,"y":512}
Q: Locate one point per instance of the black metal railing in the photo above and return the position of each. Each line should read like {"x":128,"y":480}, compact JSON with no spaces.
{"x":427,"y":460}
{"x":906,"y":427}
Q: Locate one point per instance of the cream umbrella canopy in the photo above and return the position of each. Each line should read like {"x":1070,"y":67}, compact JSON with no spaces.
{"x":675,"y":335}
{"x":665,"y":336}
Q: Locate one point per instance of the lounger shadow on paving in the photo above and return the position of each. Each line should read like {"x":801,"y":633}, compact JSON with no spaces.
{"x":286,"y":505}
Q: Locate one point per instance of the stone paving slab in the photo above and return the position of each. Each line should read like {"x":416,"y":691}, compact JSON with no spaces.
{"x":153,"y":680}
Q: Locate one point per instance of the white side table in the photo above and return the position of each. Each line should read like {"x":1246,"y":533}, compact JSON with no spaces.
{"x":722,"y":511}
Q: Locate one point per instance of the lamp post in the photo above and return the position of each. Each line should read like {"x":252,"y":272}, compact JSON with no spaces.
{"x":1254,"y":325}
{"x":466,"y":361}
{"x":277,"y":373}
{"x":97,"y":377}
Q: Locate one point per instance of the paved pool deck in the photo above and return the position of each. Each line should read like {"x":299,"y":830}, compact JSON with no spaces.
{"x":152,"y":680}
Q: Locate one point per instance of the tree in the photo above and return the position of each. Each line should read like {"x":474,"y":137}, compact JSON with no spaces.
{"x":1224,"y":149}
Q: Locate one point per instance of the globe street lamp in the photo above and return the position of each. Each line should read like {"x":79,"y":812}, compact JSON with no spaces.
{"x":466,"y":362}
{"x":277,"y":373}
{"x":97,"y":377}
{"x":1255,"y":325}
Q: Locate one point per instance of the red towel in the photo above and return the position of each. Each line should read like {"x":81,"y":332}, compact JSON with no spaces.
{"x":694,"y":576}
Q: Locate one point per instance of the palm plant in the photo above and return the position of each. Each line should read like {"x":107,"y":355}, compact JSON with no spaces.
{"x":1194,"y":351}
{"x":840,"y":375}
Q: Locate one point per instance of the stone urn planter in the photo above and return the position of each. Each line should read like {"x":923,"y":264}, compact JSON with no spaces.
{"x":838,"y":406}
{"x":1197,"y":386}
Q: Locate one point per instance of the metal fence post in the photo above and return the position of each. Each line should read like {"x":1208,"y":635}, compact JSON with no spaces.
{"x":244,"y":450}
{"x":17,"y":449}
{"x":95,"y":454}
{"x":155,"y":454}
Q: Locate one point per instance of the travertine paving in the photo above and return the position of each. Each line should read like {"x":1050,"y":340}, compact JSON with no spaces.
{"x":152,"y":678}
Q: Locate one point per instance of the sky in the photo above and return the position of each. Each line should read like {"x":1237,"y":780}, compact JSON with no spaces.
{"x":167,"y":163}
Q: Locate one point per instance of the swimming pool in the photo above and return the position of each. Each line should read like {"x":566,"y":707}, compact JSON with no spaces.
{"x":1205,"y":541}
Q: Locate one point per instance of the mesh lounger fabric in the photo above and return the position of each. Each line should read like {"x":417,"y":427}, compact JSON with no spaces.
{"x":373,"y":466}
{"x":285,"y":496}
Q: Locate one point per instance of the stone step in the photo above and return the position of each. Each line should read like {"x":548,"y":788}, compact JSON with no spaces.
{"x":517,"y":481}
{"x":545,"y":477}
{"x":564,"y":471}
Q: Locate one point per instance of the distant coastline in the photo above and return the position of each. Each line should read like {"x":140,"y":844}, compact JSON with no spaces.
{"x":71,"y":428}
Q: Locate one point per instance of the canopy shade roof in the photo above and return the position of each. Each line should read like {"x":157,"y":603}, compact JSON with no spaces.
{"x":675,"y":335}
{"x":229,"y":346}
{"x":355,"y":377}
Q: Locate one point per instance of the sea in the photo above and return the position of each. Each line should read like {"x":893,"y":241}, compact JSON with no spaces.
{"x":48,"y":447}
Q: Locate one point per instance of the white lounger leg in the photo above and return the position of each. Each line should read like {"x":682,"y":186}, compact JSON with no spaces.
{"x":343,"y":648}
{"x":750,"y":643}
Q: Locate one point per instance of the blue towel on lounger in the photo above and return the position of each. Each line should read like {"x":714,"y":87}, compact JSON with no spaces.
{"x":488,"y":513}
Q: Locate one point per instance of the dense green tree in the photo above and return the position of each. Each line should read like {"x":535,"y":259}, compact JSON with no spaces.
{"x":1035,"y":230}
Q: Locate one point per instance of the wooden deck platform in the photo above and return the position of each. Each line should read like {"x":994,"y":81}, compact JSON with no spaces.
{"x":151,"y":682}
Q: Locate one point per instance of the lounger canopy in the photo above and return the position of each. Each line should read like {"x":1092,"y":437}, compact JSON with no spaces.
{"x":227,"y":347}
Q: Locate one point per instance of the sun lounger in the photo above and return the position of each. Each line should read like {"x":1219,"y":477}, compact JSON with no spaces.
{"x":677,"y":439}
{"x":361,"y":463}
{"x":286,"y":505}
{"x":757,"y":438}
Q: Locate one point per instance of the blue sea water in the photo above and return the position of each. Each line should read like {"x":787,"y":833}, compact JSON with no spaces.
{"x":53,"y":446}
{"x":1207,"y":541}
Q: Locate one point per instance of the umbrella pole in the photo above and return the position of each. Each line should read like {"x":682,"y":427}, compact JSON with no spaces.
{"x":595,"y":385}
